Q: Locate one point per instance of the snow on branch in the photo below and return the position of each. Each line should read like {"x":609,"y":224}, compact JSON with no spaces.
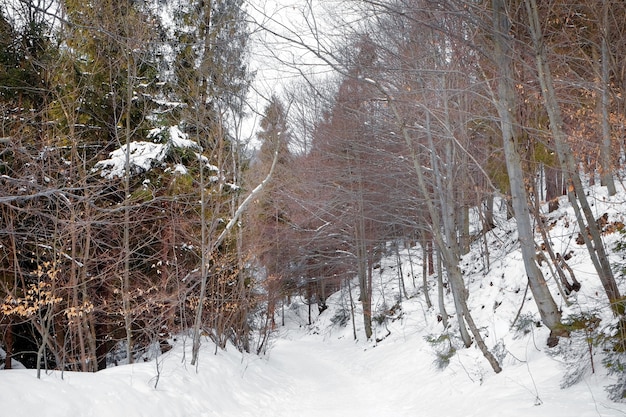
{"x":244,"y":204}
{"x":144,"y":155}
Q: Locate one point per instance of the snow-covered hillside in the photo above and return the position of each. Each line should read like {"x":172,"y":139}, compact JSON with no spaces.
{"x":405,"y":370}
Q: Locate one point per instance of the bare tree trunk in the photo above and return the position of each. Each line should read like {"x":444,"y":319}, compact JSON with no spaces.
{"x":486,"y":215}
{"x":402,"y":288}
{"x":554,"y":186}
{"x":425,"y":257}
{"x":606,"y":171}
{"x":8,"y":340}
{"x":128,"y":322}
{"x":451,"y":252}
{"x":505,"y":102}
{"x":204,"y":266}
{"x":411,"y":265}
{"x":351,"y":308}
{"x":362,"y":272}
{"x":576,"y":192}
{"x":87,"y":320}
{"x":464,"y":222}
{"x":75,"y":302}
{"x":440,"y":293}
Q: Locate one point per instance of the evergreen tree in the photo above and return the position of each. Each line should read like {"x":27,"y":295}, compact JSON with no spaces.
{"x":210,"y":75}
{"x":112,"y":65}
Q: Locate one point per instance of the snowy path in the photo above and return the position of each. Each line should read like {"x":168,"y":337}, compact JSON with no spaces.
{"x":307,"y":376}
{"x":338,"y":378}
{"x":326,"y":382}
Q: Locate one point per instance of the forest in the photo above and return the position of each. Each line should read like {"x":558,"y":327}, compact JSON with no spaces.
{"x":134,"y":207}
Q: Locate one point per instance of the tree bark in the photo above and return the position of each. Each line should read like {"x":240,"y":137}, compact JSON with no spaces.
{"x":505,"y":103}
{"x":440,"y":293}
{"x":8,"y":340}
{"x":576,"y":192}
{"x":425,"y":266}
{"x":606,"y":172}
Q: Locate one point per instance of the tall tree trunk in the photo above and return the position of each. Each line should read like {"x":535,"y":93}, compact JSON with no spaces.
{"x":489,"y":223}
{"x":464,"y":232}
{"x":363,"y":275}
{"x":440,"y":293}
{"x":576,"y":192}
{"x":606,"y":171}
{"x":554,"y":186}
{"x":126,"y":272}
{"x":505,"y":102}
{"x":402,"y":287}
{"x":425,"y":257}
{"x":77,"y":321}
{"x":204,"y":266}
{"x":351,"y":308}
{"x":486,"y":215}
{"x":8,"y":340}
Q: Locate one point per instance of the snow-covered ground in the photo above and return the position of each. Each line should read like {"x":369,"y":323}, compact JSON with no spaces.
{"x":314,"y":375}
{"x":320,"y":370}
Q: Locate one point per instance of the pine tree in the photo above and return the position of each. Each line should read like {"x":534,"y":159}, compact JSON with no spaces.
{"x":209,"y":71}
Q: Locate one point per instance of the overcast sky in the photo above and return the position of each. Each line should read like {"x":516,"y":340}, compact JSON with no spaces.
{"x":278,"y":26}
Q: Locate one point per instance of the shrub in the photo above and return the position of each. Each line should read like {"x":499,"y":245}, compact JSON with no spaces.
{"x":445,"y":348}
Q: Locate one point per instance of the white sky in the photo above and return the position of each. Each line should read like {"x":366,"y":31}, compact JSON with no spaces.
{"x":276,"y":57}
